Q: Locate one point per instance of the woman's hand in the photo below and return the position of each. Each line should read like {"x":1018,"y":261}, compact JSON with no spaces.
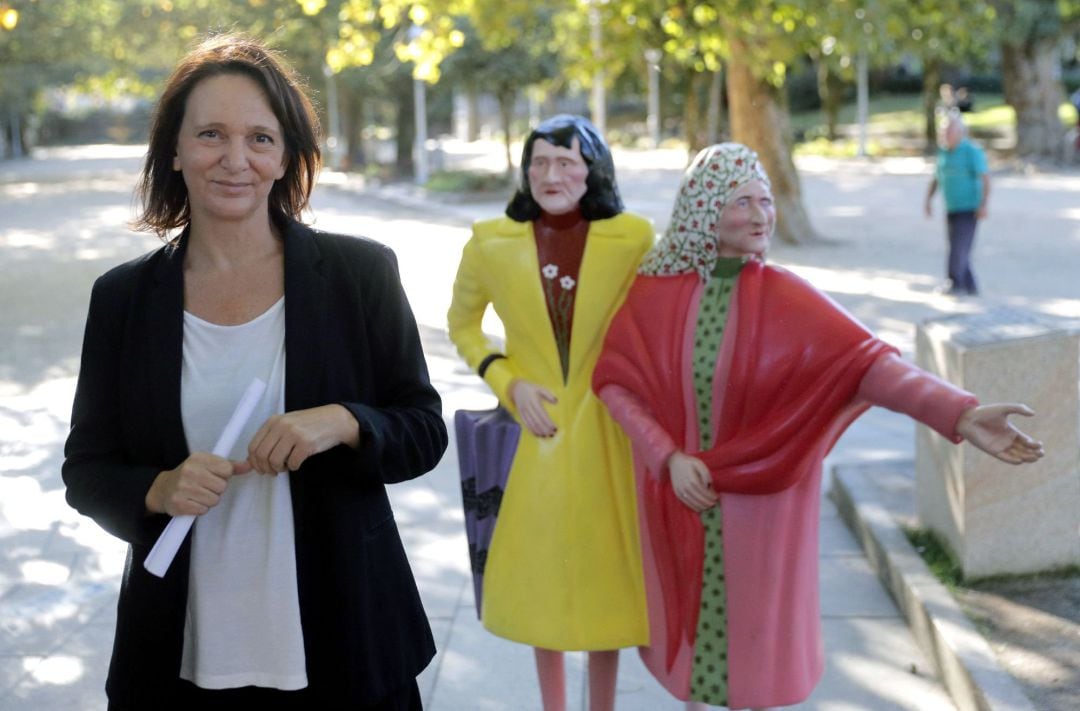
{"x":194,"y":487}
{"x":529,"y":400}
{"x":988,"y":428}
{"x":691,"y":481}
{"x":285,"y":441}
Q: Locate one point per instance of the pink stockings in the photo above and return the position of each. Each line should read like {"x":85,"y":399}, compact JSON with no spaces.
{"x":603,"y":667}
{"x":552,"y":673}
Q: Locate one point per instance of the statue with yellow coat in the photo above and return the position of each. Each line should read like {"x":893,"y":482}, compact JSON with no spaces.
{"x":563,"y":570}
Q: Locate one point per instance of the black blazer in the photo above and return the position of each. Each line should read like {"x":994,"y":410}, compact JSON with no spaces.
{"x":350,"y":338}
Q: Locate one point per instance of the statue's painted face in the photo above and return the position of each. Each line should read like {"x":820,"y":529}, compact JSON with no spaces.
{"x":557,"y":176}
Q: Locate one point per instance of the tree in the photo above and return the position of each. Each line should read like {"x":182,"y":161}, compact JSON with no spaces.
{"x":845,"y":33}
{"x":932,"y":33}
{"x":690,"y":38}
{"x":758,"y":42}
{"x":40,"y":45}
{"x":420,"y":34}
{"x":1030,"y":32}
{"x":109,"y":47}
{"x":504,"y":70}
{"x":129,"y":46}
{"x":760,"y":119}
{"x":561,"y":34}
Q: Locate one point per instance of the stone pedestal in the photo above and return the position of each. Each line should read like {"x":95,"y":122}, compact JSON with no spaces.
{"x":999,"y":518}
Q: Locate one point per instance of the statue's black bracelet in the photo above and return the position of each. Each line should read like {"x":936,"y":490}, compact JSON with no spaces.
{"x":486,"y":362}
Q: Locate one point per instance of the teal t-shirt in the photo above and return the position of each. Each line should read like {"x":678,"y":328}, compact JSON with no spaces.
{"x":959,"y":174}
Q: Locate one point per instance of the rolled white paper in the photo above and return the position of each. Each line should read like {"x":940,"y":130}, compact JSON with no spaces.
{"x":168,"y":543}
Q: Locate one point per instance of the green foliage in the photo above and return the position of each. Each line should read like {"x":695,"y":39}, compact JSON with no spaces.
{"x":423,"y":32}
{"x":933,"y":32}
{"x":778,"y":33}
{"x":498,"y":68}
{"x":562,"y":32}
{"x":1025,"y":21}
{"x":114,"y":47}
{"x":1070,"y":14}
{"x":120,"y":46}
{"x":130,"y":44}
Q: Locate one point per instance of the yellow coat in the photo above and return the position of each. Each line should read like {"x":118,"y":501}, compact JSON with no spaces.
{"x":564,"y":566}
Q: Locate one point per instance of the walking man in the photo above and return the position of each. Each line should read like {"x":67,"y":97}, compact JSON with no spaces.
{"x":965,"y":183}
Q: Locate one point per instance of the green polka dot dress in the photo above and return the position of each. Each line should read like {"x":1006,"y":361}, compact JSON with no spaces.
{"x":708,"y":680}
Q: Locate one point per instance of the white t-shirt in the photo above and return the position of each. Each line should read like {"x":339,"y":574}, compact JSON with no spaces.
{"x":243,"y":610}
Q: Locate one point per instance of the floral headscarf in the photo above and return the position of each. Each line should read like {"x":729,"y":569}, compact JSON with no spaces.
{"x":689,"y":244}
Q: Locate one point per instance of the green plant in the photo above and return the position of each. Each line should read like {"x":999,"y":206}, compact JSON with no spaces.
{"x":1069,"y":571}
{"x":936,"y":555}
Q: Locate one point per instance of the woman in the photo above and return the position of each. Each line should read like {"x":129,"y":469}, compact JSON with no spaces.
{"x":563,"y":570}
{"x":293,"y":590}
{"x":733,"y":380}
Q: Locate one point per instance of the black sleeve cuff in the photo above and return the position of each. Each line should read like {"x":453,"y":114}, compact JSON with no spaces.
{"x":486,"y":363}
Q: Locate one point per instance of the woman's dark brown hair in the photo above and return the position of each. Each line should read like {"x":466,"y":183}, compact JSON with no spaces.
{"x":162,"y":190}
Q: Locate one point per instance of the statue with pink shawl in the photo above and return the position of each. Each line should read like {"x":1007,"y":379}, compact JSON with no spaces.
{"x":733,"y":379}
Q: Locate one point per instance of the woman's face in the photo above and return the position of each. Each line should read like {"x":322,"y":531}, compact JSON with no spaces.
{"x":557,"y":176}
{"x":230,"y":149}
{"x":746,"y":222}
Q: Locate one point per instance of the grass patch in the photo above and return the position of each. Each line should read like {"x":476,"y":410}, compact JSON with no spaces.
{"x":467,"y":181}
{"x":840,"y":148}
{"x":943,"y":564}
{"x":909,"y":106}
{"x":896,"y":116}
{"x":1069,"y":571}
{"x":936,"y":555}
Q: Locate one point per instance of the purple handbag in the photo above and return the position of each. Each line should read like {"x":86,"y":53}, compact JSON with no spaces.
{"x":486,"y":442}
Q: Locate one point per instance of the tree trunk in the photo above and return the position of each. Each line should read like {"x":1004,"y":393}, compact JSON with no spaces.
{"x":472,"y":113}
{"x":1032,"y":87}
{"x":693,"y":126}
{"x":761,"y":121}
{"x":715,"y":119}
{"x":352,"y":130}
{"x":16,"y":137}
{"x":831,"y":92}
{"x":405,"y":130}
{"x":506,"y":114}
{"x":931,"y":90}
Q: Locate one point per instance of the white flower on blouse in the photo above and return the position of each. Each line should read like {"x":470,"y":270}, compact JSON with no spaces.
{"x":550,"y":271}
{"x":567,"y":282}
